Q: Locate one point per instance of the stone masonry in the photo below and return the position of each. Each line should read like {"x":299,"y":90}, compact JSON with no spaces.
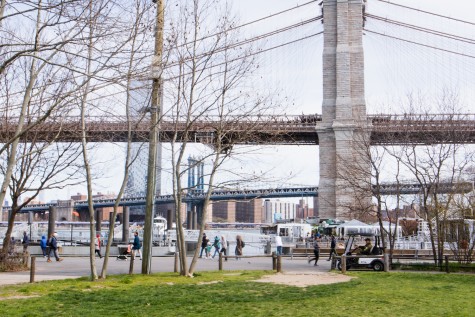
{"x":343,"y":108}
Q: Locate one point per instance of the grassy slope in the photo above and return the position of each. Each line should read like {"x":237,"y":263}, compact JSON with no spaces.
{"x":224,"y":294}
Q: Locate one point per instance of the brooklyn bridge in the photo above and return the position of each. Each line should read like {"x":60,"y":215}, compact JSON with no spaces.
{"x":344,"y":120}
{"x":281,"y":130}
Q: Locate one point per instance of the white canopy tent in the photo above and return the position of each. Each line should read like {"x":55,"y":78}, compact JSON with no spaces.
{"x":354,"y":227}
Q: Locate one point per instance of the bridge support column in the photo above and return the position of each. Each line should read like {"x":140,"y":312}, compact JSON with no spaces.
{"x":170,"y":219}
{"x":189,"y":219}
{"x":51,"y":220}
{"x":112,"y":224}
{"x":98,"y":218}
{"x":125,"y":224}
{"x":195,"y":217}
{"x":343,"y":109}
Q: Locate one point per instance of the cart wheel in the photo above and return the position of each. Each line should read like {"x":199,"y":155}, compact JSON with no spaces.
{"x":378,"y":266}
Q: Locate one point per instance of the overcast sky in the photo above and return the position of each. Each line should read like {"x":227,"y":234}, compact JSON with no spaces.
{"x":392,"y":70}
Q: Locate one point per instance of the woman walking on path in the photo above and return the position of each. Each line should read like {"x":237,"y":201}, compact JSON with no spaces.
{"x":239,"y":245}
{"x":97,"y":245}
{"x":224,"y":247}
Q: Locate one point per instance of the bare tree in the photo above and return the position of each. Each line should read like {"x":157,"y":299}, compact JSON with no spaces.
{"x":40,"y":166}
{"x":139,"y":23}
{"x":208,"y":86}
{"x":461,"y":229}
{"x":437,"y":166}
{"x":371,"y":173}
{"x":50,"y":64}
{"x":29,"y":95}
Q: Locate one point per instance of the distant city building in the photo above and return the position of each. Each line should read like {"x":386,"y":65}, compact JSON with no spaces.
{"x":303,"y":210}
{"x":237,"y":211}
{"x":249,"y":211}
{"x":278,"y":210}
{"x":224,"y":211}
{"x":65,"y":211}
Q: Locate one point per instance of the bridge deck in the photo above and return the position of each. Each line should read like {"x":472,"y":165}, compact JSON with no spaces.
{"x":298,"y":130}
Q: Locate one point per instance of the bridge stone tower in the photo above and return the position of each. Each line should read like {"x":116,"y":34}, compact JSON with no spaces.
{"x":343,"y":108}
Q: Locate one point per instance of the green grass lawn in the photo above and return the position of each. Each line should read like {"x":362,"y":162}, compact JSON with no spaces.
{"x":235,"y":294}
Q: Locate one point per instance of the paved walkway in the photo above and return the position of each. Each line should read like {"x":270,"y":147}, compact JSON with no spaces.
{"x":74,"y":267}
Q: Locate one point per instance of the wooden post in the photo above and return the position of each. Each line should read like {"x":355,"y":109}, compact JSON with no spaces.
{"x":333,"y":263}
{"x":131,"y":267}
{"x":447,"y":264}
{"x":279,"y":264}
{"x":32,"y":269}
{"x":386,"y":262}
{"x":220,"y":267}
{"x":176,"y":263}
{"x":274,"y":261}
{"x":343,"y":263}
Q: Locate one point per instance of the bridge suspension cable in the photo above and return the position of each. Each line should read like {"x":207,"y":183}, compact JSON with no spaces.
{"x":144,"y":72}
{"x":246,"y":41}
{"x":298,"y":6}
{"x":426,"y":12}
{"x":422,"y":29}
{"x":417,"y":43}
{"x":252,"y":54}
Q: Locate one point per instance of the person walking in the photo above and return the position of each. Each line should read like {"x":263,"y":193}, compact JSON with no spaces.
{"x":278,"y":244}
{"x":316,"y":253}
{"x":97,"y":245}
{"x":208,"y":251}
{"x":332,"y":247}
{"x":204,"y":244}
{"x":136,"y":245}
{"x":216,"y":245}
{"x":239,"y":245}
{"x":224,"y":247}
{"x":25,"y":242}
{"x":43,"y":245}
{"x":53,"y":246}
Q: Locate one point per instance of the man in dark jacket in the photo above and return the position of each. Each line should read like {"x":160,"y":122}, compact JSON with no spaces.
{"x":25,"y":242}
{"x":204,"y":244}
{"x":316,"y":252}
{"x":53,"y":246}
{"x":332,"y":247}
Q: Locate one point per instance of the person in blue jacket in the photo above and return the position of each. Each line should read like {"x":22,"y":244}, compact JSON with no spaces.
{"x":137,"y":245}
{"x":43,"y":245}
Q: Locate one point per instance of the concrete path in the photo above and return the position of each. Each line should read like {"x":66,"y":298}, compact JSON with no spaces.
{"x":74,"y":267}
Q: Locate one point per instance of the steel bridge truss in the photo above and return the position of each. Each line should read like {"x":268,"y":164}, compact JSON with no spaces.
{"x":197,"y":197}
{"x":286,"y":129}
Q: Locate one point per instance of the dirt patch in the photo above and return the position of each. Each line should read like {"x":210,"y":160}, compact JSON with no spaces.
{"x":212,"y":282}
{"x":18,"y":297}
{"x":304,"y":280}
